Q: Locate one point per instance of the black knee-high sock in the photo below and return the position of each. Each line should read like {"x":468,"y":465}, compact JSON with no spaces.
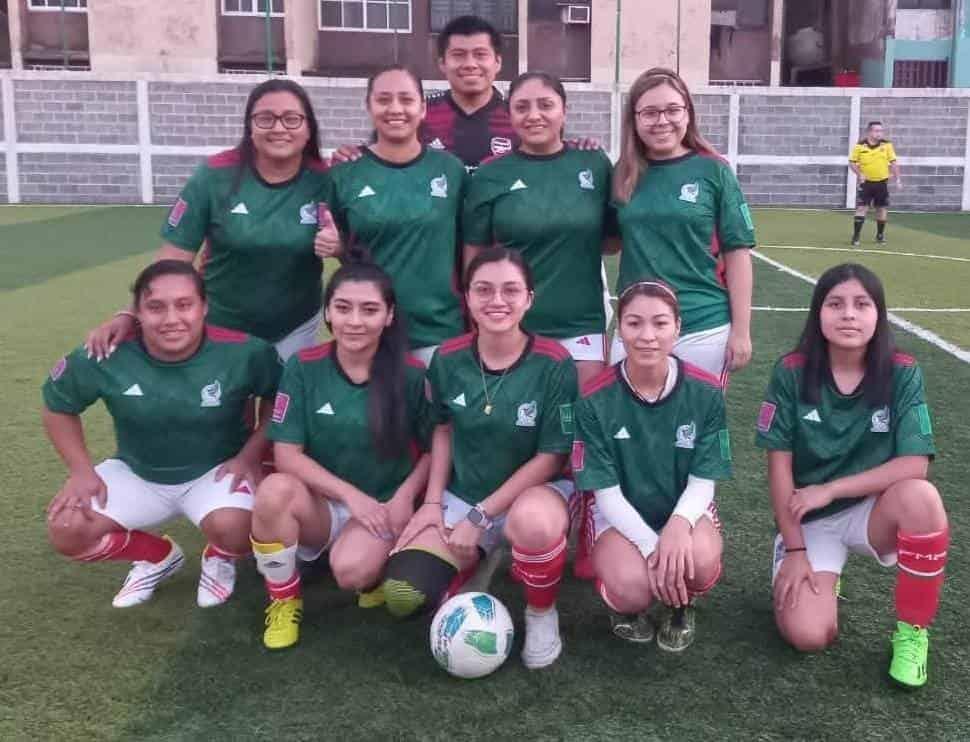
{"x":857,"y":226}
{"x":880,"y":228}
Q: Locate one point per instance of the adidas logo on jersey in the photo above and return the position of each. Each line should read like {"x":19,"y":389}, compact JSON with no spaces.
{"x":436,"y":144}
{"x":518,"y":185}
{"x":239,"y":208}
{"x":812,"y":416}
{"x":622,"y":434}
{"x":134,"y":391}
{"x":327,"y":409}
{"x":366,"y":191}
{"x":460,"y":400}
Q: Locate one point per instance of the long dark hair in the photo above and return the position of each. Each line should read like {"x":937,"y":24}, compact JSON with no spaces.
{"x":387,"y":413}
{"x":247,"y":154}
{"x":169,"y":267}
{"x":877,"y":382}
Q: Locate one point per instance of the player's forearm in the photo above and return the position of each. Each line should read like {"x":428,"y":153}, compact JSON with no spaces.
{"x":781,"y":486}
{"x":880,"y":478}
{"x":541,"y":468}
{"x":290,"y":459}
{"x":416,"y":481}
{"x":439,"y":469}
{"x":620,"y":514}
{"x":67,"y":435}
{"x":855,"y":169}
{"x":257,"y":445}
{"x":894,"y":169}
{"x":739,"y":274}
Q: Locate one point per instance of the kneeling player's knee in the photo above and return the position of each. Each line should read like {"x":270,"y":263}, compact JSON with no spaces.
{"x":228,"y":528}
{"x":809,"y":636}
{"x":415,"y":580}
{"x":67,"y":535}
{"x":920,"y":505}
{"x":627,"y":591}
{"x":274,"y":495}
{"x":535,"y":522}
{"x":350,"y":574}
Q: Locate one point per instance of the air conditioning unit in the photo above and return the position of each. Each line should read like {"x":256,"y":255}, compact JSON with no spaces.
{"x":579,"y":14}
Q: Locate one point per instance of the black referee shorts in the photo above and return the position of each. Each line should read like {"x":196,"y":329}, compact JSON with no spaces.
{"x":873,"y":193}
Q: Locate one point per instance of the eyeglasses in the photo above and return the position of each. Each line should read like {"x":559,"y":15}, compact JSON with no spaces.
{"x":510,"y":292}
{"x":650,"y":116}
{"x":267,"y":120}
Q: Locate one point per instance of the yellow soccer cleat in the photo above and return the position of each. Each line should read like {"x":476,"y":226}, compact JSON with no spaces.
{"x":371,"y":598}
{"x":283,"y":619}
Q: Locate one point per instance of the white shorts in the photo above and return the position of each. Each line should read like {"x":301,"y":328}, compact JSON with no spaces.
{"x":601,"y":525}
{"x":705,"y":349}
{"x":455,"y":510}
{"x":424,"y":354}
{"x":829,"y":540}
{"x":304,"y":336}
{"x":134,"y":502}
{"x":339,"y":517}
{"x":586,"y":347}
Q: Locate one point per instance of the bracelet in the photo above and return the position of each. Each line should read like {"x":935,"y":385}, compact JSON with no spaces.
{"x":796,"y":548}
{"x":430,"y":502}
{"x":127,"y":313}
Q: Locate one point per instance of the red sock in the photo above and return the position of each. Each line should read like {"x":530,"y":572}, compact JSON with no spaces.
{"x":211,"y":550}
{"x":283,"y":590}
{"x":458,"y":581}
{"x":919,"y":579}
{"x":583,"y":563}
{"x":128,"y":546}
{"x":541,"y":573}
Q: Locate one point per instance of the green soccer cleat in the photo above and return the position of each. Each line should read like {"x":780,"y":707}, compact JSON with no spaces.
{"x":637,"y":628}
{"x":676,"y":631}
{"x":911,"y":645}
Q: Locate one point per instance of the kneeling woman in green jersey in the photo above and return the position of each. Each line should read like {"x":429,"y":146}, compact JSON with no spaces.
{"x":502,"y":403}
{"x":651,"y":440}
{"x":177,"y":398}
{"x":552,"y":203}
{"x":347,"y":425}
{"x":849,"y":440}
{"x":402,"y":200}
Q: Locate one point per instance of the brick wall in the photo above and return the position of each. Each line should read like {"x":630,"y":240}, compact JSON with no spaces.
{"x":169,"y":173}
{"x":788,"y":124}
{"x":589,"y":116}
{"x":793,"y":185}
{"x":79,"y":178}
{"x":920,"y":127}
{"x":929,"y":189}
{"x":196,"y":115}
{"x":713,"y":113}
{"x":3,"y":180}
{"x":79,"y":112}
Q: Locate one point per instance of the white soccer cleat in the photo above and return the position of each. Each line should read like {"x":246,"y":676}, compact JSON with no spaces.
{"x":216,"y":581}
{"x":144,"y":577}
{"x":543,"y":644}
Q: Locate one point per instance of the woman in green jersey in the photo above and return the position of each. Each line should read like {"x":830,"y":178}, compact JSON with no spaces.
{"x":254,"y":207}
{"x":502,"y":404}
{"x":684,"y":220}
{"x":552,"y":203}
{"x":401,"y":200}
{"x":177,"y":397}
{"x":348,"y":425}
{"x":651,"y":441}
{"x":849,"y":440}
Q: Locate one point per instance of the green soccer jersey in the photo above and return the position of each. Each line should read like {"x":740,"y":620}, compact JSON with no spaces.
{"x":556,"y":210}
{"x":531,"y":411}
{"x":173,"y":421}
{"x":649,"y":449}
{"x":684,"y":213}
{"x":261,"y":274}
{"x":842,"y":434}
{"x":321,"y":409}
{"x":407,"y":216}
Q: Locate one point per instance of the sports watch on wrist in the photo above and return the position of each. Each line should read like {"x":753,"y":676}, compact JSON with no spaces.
{"x":479,"y":518}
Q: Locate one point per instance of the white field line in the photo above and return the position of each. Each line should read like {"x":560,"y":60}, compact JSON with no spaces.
{"x":864,"y":250}
{"x":904,"y":324}
{"x":943,"y":310}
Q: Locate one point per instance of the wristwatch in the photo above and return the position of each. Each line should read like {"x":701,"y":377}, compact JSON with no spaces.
{"x":479,"y":518}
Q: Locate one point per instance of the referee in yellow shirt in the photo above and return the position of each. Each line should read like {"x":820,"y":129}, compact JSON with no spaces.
{"x":872,"y":160}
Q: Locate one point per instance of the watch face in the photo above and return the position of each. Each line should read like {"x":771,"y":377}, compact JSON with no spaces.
{"x":476,"y":517}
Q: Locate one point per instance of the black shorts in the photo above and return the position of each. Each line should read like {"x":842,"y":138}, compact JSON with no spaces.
{"x":873,"y":193}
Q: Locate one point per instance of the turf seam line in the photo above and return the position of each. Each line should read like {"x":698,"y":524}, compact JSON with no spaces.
{"x":942,"y":310}
{"x":954,"y":258}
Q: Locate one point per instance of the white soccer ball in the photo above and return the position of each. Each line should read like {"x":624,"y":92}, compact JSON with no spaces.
{"x":471,"y":635}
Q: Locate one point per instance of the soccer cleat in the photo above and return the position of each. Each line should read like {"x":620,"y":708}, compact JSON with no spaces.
{"x":371,"y":598}
{"x":543,"y":645}
{"x":676,"y":631}
{"x":216,"y":581}
{"x":911,"y":645}
{"x":881,"y":240}
{"x":855,"y":242}
{"x":283,"y":619}
{"x":144,"y":577}
{"x":637,"y":628}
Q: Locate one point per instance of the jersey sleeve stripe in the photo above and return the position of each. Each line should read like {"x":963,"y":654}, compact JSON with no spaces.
{"x":414,"y":362}
{"x":903,"y":359}
{"x":701,"y":375}
{"x":316,"y":352}
{"x":226,"y":158}
{"x":551,"y":348}
{"x":455,"y":344}
{"x":602,"y":380}
{"x":225,"y":335}
{"x":793,"y":360}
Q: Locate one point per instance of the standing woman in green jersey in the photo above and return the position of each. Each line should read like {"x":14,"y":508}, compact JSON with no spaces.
{"x":502,"y":405}
{"x":684,"y":220}
{"x":177,"y":397}
{"x":348,"y":424}
{"x":849,"y":440}
{"x":552,"y":203}
{"x":651,"y":441}
{"x":401,"y":201}
{"x":254,"y":207}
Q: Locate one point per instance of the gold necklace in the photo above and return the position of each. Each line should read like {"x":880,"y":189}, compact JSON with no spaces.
{"x":488,"y":400}
{"x":636,"y":389}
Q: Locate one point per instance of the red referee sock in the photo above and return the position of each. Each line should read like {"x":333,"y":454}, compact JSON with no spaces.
{"x":128,"y":546}
{"x":540,"y":573}
{"x":919,"y":579}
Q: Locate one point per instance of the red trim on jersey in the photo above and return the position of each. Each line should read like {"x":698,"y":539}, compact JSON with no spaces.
{"x":316,"y":352}
{"x":903,"y":359}
{"x":493,"y":158}
{"x":548,"y":347}
{"x":602,"y":380}
{"x":455,"y":344}
{"x":720,"y":269}
{"x":225,"y":335}
{"x":414,"y":362}
{"x":226,"y":158}
{"x":793,"y":360}
{"x":701,"y":375}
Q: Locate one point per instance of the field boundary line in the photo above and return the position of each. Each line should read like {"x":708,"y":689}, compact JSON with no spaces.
{"x":954,"y":258}
{"x":941,"y":310}
{"x":904,"y":324}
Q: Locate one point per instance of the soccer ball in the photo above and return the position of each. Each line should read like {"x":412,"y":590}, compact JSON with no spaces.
{"x":471,"y":635}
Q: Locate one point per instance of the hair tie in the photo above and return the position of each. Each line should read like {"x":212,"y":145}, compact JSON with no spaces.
{"x":661,"y":286}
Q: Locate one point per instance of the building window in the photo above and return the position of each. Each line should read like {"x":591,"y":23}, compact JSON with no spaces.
{"x":251,"y":7}
{"x":503,"y":14}
{"x":71,"y":6}
{"x":365,"y":15}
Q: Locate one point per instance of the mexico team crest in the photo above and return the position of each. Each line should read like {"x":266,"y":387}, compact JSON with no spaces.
{"x":880,"y":420}
{"x":526,"y":416}
{"x":686,"y":435}
{"x":308,"y":213}
{"x":212,"y":395}
{"x":689,"y":192}
{"x":500,"y":145}
{"x":586,"y":180}
{"x":439,"y":186}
